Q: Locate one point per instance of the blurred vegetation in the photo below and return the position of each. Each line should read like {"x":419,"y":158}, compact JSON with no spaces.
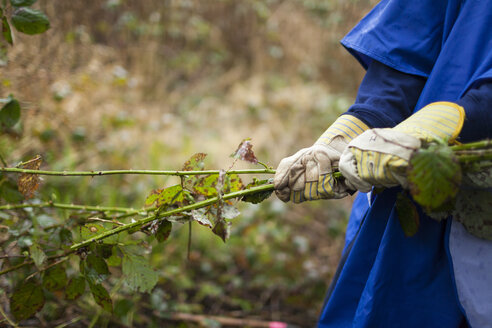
{"x":144,"y":85}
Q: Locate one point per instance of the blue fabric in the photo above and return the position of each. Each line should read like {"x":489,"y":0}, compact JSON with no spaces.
{"x":386,"y":279}
{"x":386,"y":96}
{"x":477,"y":102}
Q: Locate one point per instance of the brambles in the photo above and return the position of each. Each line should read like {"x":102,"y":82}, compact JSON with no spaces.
{"x":99,"y":237}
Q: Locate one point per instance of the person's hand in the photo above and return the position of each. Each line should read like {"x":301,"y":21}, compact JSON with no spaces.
{"x":308,"y":174}
{"x":380,"y":157}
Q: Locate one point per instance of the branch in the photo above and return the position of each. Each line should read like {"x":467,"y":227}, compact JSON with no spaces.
{"x":162,"y":215}
{"x":121,"y":172}
{"x":87,"y":208}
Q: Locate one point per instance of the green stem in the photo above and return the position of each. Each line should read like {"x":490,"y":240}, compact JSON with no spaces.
{"x":88,"y":208}
{"x":473,"y":145}
{"x":162,"y":215}
{"x":140,"y":172}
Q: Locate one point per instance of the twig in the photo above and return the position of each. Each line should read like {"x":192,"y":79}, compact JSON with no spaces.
{"x":66,"y":324}
{"x":46,"y":268}
{"x":107,"y":221}
{"x":162,"y":215}
{"x":473,"y":145}
{"x":121,"y":172}
{"x":88,"y":208}
{"x":10,"y":321}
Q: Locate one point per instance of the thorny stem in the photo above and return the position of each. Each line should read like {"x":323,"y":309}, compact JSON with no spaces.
{"x":90,"y":208}
{"x":159,"y":216}
{"x":473,"y":145}
{"x":140,"y":172}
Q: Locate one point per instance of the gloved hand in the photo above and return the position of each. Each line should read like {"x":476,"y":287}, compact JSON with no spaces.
{"x":379,"y":157}
{"x":307,"y":175}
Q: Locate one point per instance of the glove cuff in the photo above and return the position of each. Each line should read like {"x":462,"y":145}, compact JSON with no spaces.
{"x":437,"y":121}
{"x":346,"y":126}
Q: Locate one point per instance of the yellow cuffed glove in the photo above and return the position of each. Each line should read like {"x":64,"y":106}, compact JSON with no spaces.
{"x":307,"y":175}
{"x":379,"y":157}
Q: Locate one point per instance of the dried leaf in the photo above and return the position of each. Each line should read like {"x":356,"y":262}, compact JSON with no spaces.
{"x":29,"y":183}
{"x":195,"y":163}
{"x":245,"y":152}
{"x":407,"y":214}
{"x":200,"y":216}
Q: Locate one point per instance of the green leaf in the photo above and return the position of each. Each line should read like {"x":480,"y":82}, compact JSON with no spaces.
{"x":27,"y":300}
{"x":163,"y":231}
{"x":206,"y":186}
{"x":114,"y":259}
{"x":55,"y":278}
{"x":139,"y":275}
{"x":101,"y":296}
{"x":37,"y":255}
{"x":65,"y":236}
{"x":259,"y":196}
{"x":10,"y":193}
{"x":95,"y":268}
{"x":168,"y":196}
{"x":474,"y":210}
{"x":10,"y":112}
{"x":407,"y":214}
{"x":195,"y":163}
{"x":30,"y":21}
{"x":22,"y":3}
{"x":434,"y":176}
{"x":222,"y":229}
{"x":75,"y":288}
{"x":6,"y":31}
{"x":478,"y":179}
{"x":91,"y":230}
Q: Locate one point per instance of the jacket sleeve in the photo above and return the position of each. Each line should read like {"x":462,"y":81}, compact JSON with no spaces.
{"x":477,"y":103}
{"x":386,"y":96}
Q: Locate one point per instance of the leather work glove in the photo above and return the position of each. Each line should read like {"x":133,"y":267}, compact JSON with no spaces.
{"x":379,"y":157}
{"x":307,"y":175}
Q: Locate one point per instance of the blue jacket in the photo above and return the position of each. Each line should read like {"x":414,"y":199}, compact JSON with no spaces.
{"x":440,"y":277}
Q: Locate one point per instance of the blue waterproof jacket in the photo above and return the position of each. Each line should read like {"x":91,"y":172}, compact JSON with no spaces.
{"x":442,"y":276}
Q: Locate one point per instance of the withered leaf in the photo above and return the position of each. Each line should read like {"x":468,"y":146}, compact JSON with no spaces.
{"x":245,"y":152}
{"x":28,"y":183}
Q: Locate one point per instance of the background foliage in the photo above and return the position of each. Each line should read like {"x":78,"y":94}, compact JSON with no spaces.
{"x":145,"y":84}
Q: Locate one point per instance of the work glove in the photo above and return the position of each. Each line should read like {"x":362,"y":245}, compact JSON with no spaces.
{"x":380,"y":157}
{"x":307,"y":175}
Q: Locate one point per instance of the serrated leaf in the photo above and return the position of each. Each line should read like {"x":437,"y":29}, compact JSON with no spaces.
{"x":407,"y":214}
{"x":7,"y":32}
{"x":29,"y":183}
{"x":163,"y":231}
{"x":259,"y":196}
{"x":168,"y":196}
{"x":27,"y":300}
{"x":30,"y":21}
{"x":75,"y":288}
{"x":10,"y":112}
{"x":37,"y":255}
{"x":95,"y":268}
{"x":114,"y":259}
{"x":65,"y":236}
{"x":478,"y":179}
{"x":195,"y":163}
{"x":233,"y":183}
{"x":101,"y":296}
{"x":55,"y":278}
{"x":474,"y":210}
{"x":245,"y":152}
{"x":22,"y":3}
{"x":200,"y":216}
{"x":222,"y":229}
{"x":206,"y":186}
{"x":434,"y":176}
{"x":139,"y":275}
{"x":91,"y":230}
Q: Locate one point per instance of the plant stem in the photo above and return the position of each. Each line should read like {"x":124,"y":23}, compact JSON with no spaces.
{"x":473,"y":145}
{"x":121,"y":172}
{"x":88,"y":208}
{"x":162,"y":215}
